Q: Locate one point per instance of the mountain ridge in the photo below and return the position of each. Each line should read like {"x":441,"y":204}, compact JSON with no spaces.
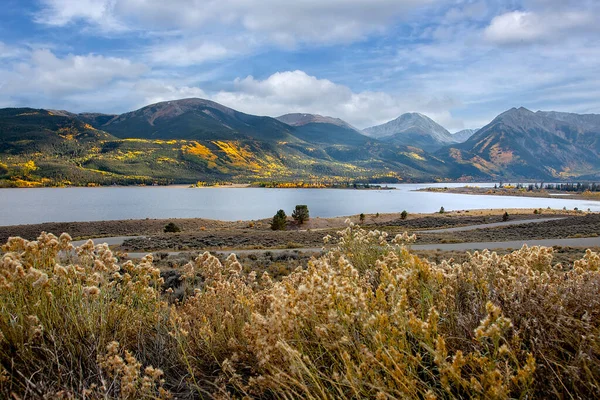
{"x":413,"y":129}
{"x":189,"y":140}
{"x":521,"y":143}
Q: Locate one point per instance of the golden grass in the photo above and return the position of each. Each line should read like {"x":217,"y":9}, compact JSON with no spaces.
{"x":366,"y":320}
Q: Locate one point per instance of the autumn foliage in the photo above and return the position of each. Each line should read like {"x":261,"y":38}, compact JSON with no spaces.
{"x":367,"y":319}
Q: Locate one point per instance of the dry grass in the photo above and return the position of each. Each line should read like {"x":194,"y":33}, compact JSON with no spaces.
{"x":366,"y":320}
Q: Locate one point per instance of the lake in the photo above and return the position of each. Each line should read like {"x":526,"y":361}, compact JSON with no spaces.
{"x":30,"y":206}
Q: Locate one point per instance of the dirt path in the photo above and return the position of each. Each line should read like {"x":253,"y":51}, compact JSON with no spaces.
{"x":111,"y":241}
{"x":515,"y":244}
{"x":119,"y":240}
{"x":492,"y":225}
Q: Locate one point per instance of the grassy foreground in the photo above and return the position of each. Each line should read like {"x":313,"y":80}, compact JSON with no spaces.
{"x":366,"y":320}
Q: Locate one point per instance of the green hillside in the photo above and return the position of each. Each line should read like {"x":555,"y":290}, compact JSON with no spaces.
{"x":172,"y":144}
{"x":195,"y":140}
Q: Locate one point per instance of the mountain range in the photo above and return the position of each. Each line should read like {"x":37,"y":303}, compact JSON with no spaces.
{"x":534,"y":145}
{"x":190,"y":140}
{"x":413,"y":129}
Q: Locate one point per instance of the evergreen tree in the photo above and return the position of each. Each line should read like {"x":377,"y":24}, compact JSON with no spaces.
{"x":403,"y":215}
{"x":300,"y":213}
{"x":279,"y":221}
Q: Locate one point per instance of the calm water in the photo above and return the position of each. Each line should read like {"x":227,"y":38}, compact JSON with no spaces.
{"x":29,"y":206}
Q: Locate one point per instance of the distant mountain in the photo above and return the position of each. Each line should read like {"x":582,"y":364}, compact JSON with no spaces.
{"x":412,"y":129}
{"x":193,"y":119}
{"x":464,"y":135}
{"x":319,"y":129}
{"x":298,"y":119}
{"x":522,"y":144}
{"x":194,"y":140}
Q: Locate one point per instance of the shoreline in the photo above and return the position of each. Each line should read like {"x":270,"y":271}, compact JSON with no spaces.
{"x":499,"y":192}
{"x":148,"y":226}
{"x":233,"y":185}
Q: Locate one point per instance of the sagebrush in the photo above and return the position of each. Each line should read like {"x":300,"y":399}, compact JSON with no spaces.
{"x":367,"y":319}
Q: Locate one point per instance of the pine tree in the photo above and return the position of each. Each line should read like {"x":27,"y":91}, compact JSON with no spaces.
{"x":279,"y":221}
{"x":300,"y":214}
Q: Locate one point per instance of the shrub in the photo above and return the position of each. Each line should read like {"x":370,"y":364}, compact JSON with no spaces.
{"x":300,"y":214}
{"x":171,"y":228}
{"x":367,"y":319}
{"x":442,"y":210}
{"x":505,"y":216}
{"x":279,"y":221}
{"x":403,"y":214}
{"x":362,"y":217}
{"x":65,"y":314}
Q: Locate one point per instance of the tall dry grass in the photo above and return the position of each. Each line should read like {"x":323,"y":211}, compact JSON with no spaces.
{"x":368,"y":319}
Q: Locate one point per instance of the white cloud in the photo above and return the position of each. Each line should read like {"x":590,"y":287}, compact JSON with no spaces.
{"x":296,"y":91}
{"x":46,"y":73}
{"x":63,"y":12}
{"x":529,"y":27}
{"x":8,"y":52}
{"x":281,"y":21}
{"x":184,"y":54}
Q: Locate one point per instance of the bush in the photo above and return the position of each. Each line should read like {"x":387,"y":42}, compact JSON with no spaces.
{"x":505,"y":216}
{"x":442,"y":210}
{"x":367,"y":319}
{"x":362,"y":217}
{"x":70,"y":316}
{"x":279,"y":221}
{"x":171,"y":228}
{"x":300,"y":214}
{"x":403,"y":214}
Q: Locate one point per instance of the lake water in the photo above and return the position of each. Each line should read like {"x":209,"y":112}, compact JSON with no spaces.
{"x":30,"y":206}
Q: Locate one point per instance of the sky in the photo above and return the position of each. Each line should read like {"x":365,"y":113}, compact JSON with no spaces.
{"x":460,"y":62}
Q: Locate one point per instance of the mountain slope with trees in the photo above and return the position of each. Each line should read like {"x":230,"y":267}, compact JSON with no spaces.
{"x":522,"y":144}
{"x":192,"y":140}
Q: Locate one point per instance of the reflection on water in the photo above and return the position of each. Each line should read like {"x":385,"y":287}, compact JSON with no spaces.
{"x":29,"y":206}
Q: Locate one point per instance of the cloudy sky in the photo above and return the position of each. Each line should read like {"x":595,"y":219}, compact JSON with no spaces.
{"x":461,"y":62}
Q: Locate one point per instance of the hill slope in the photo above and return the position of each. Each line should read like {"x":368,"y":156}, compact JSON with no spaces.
{"x":196,"y":119}
{"x":193,"y":140}
{"x":412,"y":129}
{"x":522,"y":144}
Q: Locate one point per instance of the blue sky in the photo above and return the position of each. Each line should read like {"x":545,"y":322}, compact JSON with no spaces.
{"x":461,"y":62}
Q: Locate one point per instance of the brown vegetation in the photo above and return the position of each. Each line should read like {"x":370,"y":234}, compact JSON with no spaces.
{"x":366,"y":320}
